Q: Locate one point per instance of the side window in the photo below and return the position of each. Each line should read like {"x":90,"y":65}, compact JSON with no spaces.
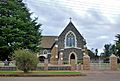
{"x":45,"y":52}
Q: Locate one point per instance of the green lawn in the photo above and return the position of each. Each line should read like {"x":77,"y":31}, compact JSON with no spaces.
{"x":42,"y":72}
{"x":10,"y":72}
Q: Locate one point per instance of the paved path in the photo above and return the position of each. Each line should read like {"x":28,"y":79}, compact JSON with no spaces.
{"x":91,"y":76}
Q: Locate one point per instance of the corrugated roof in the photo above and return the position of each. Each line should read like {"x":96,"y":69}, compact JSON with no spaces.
{"x":48,"y":41}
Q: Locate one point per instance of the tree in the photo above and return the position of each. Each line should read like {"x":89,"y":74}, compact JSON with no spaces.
{"x":25,"y":60}
{"x":107,"y":51}
{"x":17,"y":29}
{"x":91,"y":54}
{"x":113,"y":49}
{"x":118,"y":44}
{"x":96,"y":54}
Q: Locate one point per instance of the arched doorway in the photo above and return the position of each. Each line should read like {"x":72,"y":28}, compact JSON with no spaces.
{"x":72,"y":56}
{"x":41,"y":59}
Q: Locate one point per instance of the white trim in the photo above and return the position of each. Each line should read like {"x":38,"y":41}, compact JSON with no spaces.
{"x":75,"y":57}
{"x":66,"y":37}
{"x":74,"y":47}
{"x":61,"y":49}
{"x":48,"y":53}
{"x":45,"y":55}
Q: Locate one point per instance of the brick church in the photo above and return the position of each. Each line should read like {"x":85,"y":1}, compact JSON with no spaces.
{"x":68,"y":45}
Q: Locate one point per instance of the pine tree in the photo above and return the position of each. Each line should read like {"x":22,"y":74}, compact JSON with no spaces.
{"x":118,"y":44}
{"x":17,"y":29}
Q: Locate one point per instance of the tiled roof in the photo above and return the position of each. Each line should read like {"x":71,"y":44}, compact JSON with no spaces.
{"x":48,"y":41}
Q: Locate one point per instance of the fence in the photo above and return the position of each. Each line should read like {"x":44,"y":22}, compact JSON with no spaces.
{"x":40,"y":66}
{"x":100,"y":66}
{"x":55,"y":68}
{"x":67,"y":66}
{"x":8,"y":68}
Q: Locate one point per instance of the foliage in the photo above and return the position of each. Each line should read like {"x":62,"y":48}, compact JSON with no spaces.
{"x":91,"y":54}
{"x":109,"y":49}
{"x":25,"y":60}
{"x":80,"y":62}
{"x":96,"y":52}
{"x":17,"y":29}
{"x":65,"y":62}
{"x":118,"y":44}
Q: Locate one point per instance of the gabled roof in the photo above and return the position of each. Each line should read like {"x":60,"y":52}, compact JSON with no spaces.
{"x":71,"y":26}
{"x":48,"y":41}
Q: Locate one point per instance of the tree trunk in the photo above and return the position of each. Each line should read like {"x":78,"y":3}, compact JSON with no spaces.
{"x":25,"y":71}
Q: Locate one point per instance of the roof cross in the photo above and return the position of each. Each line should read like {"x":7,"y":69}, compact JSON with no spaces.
{"x":70,"y":18}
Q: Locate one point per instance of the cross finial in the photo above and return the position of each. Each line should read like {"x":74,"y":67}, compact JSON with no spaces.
{"x":70,"y":19}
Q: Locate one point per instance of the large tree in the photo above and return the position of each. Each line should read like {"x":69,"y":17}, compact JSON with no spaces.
{"x":108,"y":50}
{"x":17,"y":29}
{"x":118,"y":44}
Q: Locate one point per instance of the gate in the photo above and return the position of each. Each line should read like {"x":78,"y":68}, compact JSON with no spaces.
{"x":100,"y":66}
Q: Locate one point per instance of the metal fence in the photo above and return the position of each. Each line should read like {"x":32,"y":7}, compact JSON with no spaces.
{"x":100,"y":66}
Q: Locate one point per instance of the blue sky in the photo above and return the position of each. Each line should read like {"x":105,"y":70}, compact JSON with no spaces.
{"x":97,"y":20}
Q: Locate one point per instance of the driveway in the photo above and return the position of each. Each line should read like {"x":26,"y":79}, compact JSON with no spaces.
{"x":91,"y":76}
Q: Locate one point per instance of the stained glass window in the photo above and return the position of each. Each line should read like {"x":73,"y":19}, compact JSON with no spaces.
{"x":70,"y":40}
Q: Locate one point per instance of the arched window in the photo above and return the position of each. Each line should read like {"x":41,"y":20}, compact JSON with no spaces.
{"x":70,"y":40}
{"x":45,"y":52}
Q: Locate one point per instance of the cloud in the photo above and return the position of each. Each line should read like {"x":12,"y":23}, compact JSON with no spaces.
{"x":97,"y":20}
{"x":102,"y":37}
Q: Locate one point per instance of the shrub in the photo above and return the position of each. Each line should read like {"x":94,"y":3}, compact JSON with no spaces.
{"x":80,"y":62}
{"x":25,"y":60}
{"x":65,"y":62}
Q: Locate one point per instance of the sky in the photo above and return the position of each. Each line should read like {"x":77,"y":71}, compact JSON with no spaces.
{"x":97,"y":20}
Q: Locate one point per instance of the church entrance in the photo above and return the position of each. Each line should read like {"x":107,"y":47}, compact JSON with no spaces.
{"x":41,"y":59}
{"x":72,"y":56}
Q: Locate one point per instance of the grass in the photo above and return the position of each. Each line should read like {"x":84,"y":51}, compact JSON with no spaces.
{"x":42,"y":72}
{"x":9,"y":72}
{"x":58,"y":73}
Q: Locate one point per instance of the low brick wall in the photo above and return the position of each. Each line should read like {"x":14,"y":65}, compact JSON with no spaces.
{"x":7,"y":68}
{"x":59,"y":68}
{"x":41,"y":68}
{"x":55,"y":68}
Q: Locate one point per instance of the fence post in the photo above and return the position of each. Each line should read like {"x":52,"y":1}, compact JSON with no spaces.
{"x":46,"y":64}
{"x":113,"y":62}
{"x":86,"y":62}
{"x":60,"y":61}
{"x":78,"y":67}
{"x":73,"y":65}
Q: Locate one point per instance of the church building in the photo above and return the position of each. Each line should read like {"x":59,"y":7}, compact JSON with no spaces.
{"x":70,"y":44}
